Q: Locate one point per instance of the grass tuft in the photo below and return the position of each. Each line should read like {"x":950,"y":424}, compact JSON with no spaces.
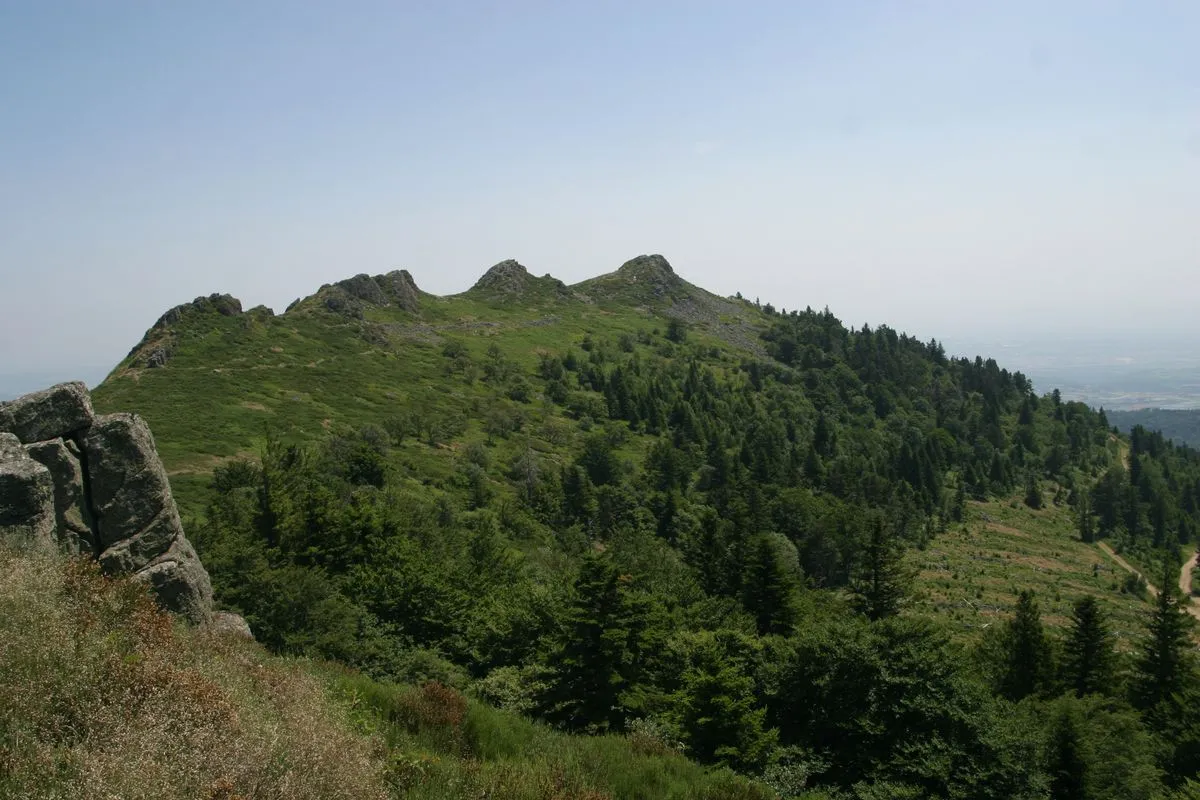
{"x":102,"y":696}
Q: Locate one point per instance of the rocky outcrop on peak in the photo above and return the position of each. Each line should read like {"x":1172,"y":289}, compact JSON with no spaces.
{"x":158,"y":345}
{"x":509,"y":280}
{"x":645,"y":280}
{"x":352,"y":296}
{"x":507,"y":277}
{"x":652,"y":269}
{"x":224,"y":304}
{"x":363,"y":287}
{"x":94,"y":485}
{"x":400,"y":289}
{"x":648,"y":282}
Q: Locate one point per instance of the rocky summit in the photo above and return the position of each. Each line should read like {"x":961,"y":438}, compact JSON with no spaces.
{"x":509,"y":281}
{"x":94,"y":485}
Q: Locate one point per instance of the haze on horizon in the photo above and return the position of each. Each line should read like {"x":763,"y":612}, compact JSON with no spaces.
{"x":972,"y":172}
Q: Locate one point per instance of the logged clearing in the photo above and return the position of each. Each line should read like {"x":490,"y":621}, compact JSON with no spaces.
{"x":971,"y":574}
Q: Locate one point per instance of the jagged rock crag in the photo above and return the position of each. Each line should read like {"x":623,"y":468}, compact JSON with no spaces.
{"x":510,"y":281}
{"x":158,"y":345}
{"x":351,"y":297}
{"x":95,"y":485}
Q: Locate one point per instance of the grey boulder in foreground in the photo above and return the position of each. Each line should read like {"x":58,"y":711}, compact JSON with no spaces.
{"x":95,"y":485}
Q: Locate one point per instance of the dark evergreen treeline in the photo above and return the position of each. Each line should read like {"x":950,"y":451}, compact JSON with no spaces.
{"x":641,"y":534}
{"x":1181,"y":426}
{"x":1149,"y":501}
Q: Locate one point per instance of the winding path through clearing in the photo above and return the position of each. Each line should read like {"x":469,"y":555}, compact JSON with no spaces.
{"x":1185,"y":578}
{"x":1185,"y":572}
{"x":1185,"y":575}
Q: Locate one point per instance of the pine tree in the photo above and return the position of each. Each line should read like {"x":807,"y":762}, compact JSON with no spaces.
{"x":883,"y":580}
{"x":814,"y":470}
{"x":578,"y":495}
{"x":768,"y":590}
{"x":1068,"y":758}
{"x":1162,"y":669}
{"x":997,"y":474}
{"x":1027,"y":651}
{"x":958,"y":507}
{"x":598,"y":459}
{"x":1088,"y":656}
{"x":823,"y":437}
{"x":1033,"y":492}
{"x":1087,"y":532}
{"x":591,"y":666}
{"x":716,"y":715}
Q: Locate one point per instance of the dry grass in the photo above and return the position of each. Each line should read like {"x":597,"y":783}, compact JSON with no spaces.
{"x":102,"y":697}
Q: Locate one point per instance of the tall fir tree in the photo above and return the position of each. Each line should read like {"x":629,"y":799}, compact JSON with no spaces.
{"x":768,"y":591}
{"x":1067,"y":762}
{"x":1163,"y":666}
{"x":716,"y":714}
{"x":1088,"y":657}
{"x":591,"y":665}
{"x":1033,"y":491}
{"x":1087,"y":530}
{"x":1026,"y":667}
{"x":883,"y":579}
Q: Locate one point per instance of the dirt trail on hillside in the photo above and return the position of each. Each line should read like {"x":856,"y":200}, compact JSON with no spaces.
{"x":1185,"y":574}
{"x":1122,"y":452}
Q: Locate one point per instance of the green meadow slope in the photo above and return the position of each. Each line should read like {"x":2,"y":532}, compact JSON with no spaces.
{"x":212,"y":380}
{"x":832,"y":560}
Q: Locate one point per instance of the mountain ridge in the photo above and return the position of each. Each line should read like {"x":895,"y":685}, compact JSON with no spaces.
{"x":646,"y":282}
{"x":498,"y":488}
{"x":506,"y":280}
{"x":366,"y":343}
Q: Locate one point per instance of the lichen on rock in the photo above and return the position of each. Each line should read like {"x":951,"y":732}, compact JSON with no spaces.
{"x":58,"y":411}
{"x":73,"y":516}
{"x":26,"y":495}
{"x":95,"y":485}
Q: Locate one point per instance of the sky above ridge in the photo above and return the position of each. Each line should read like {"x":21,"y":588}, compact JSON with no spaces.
{"x":958,"y":170}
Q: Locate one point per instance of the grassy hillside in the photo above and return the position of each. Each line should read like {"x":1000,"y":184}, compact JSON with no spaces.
{"x":101,"y":695}
{"x":231,"y":376}
{"x":972,"y":574}
{"x":629,"y":508}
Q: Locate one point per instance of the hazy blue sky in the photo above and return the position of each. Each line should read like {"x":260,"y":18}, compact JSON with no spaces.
{"x":957,"y":169}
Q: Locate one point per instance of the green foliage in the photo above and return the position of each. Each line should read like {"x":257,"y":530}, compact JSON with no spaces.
{"x":715,"y":711}
{"x":769,"y":588}
{"x":1088,"y":654}
{"x":1027,"y":667}
{"x":1067,"y":764}
{"x":883,"y":578}
{"x":443,"y":745}
{"x":1097,"y":748}
{"x":676,"y":330}
{"x":1165,"y":665}
{"x":891,"y":701}
{"x":597,"y":514}
{"x":597,"y":658}
{"x":1033,"y":492}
